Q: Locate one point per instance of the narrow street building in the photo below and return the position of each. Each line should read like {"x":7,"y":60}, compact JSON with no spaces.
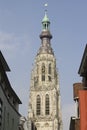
{"x":9,"y":101}
{"x":79,"y":121}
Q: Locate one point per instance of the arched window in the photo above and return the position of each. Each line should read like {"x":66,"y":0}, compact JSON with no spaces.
{"x":43,"y":68}
{"x":43,"y":72}
{"x":49,"y":72}
{"x":38,"y":105}
{"x":47,"y":105}
{"x":45,"y":26}
{"x":49,"y":69}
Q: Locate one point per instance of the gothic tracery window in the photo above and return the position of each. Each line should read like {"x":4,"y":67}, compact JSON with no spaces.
{"x":49,"y":72}
{"x":43,"y":72}
{"x":38,"y":105}
{"x":47,"y":105}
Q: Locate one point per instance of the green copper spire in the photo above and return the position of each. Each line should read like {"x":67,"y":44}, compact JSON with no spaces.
{"x":45,"y":22}
{"x":45,"y":37}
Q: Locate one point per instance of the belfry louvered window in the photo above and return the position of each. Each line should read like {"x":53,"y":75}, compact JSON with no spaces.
{"x":43,"y":72}
{"x":38,"y":105}
{"x":49,"y":69}
{"x":49,"y":72}
{"x":47,"y":105}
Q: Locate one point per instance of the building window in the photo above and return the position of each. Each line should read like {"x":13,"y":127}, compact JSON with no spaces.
{"x":43,"y":72}
{"x":43,"y":68}
{"x":43,"y":77}
{"x":49,"y":69}
{"x":38,"y":105}
{"x":8,"y":120}
{"x":12,"y":124}
{"x":47,"y":111}
{"x":49,"y":78}
{"x":4,"y":118}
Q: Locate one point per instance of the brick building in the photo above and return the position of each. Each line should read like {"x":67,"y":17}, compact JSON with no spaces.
{"x":79,"y":122}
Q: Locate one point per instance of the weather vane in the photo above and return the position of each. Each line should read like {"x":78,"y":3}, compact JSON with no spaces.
{"x":46,"y":5}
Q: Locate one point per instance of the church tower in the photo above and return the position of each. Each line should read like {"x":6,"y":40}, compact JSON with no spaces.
{"x":44,"y":101}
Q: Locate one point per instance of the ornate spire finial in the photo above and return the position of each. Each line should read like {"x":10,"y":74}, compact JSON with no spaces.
{"x":46,"y":5}
{"x":45,"y":21}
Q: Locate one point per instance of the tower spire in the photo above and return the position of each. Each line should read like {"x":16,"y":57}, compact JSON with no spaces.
{"x":45,"y":36}
{"x":44,"y":104}
{"x":46,"y":21}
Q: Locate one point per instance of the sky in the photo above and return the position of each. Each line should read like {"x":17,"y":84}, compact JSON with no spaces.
{"x":20,"y":27}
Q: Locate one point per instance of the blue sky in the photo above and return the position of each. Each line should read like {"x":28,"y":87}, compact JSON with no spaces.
{"x":20,"y":27}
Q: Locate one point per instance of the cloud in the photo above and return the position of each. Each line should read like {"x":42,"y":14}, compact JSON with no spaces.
{"x":13,"y":43}
{"x":6,"y":41}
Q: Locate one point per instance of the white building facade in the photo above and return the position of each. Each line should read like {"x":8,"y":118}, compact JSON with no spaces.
{"x":44,"y":100}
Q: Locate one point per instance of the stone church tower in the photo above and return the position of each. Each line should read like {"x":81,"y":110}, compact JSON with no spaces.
{"x":44,"y":102}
